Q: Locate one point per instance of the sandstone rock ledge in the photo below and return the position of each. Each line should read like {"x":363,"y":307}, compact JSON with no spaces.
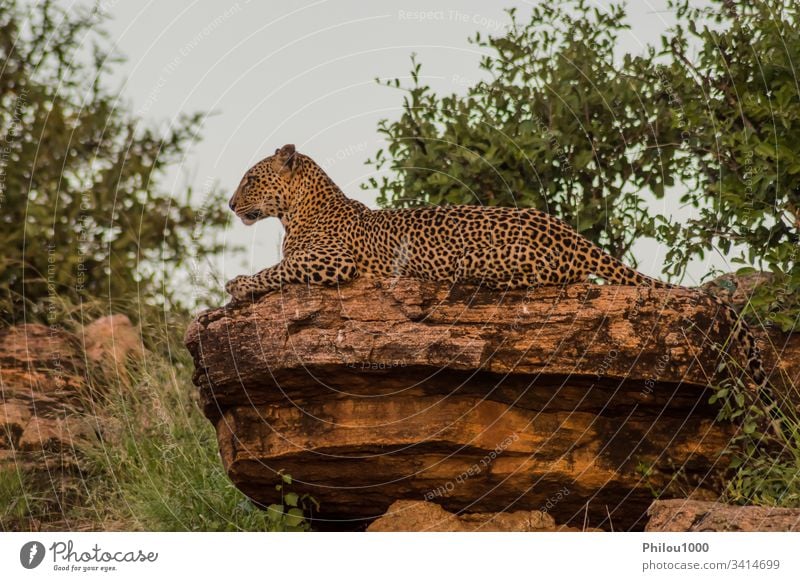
{"x":557,"y":399}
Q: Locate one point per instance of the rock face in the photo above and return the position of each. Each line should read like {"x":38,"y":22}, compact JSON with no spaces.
{"x":575,"y":400}
{"x":686,"y":515}
{"x":41,"y":379}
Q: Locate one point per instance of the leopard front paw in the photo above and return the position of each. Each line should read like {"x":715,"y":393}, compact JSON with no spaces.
{"x":242,"y":287}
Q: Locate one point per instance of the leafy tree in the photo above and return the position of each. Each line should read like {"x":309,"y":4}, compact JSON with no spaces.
{"x":564,"y":124}
{"x":81,"y":209}
{"x":736,"y":110}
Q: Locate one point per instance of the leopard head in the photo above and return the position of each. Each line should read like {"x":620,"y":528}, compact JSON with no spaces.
{"x":266,"y":189}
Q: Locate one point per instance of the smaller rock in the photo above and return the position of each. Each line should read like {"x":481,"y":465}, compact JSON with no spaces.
{"x":420,"y":516}
{"x":42,"y":380}
{"x":679,"y":515}
{"x":109,"y":342}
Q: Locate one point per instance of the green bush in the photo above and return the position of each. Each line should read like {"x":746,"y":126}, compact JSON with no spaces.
{"x":82,"y":210}
{"x":733,"y":142}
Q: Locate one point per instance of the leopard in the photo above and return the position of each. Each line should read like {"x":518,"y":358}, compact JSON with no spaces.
{"x":331,"y":239}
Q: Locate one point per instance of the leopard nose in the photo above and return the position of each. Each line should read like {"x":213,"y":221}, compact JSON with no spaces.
{"x":232,"y":204}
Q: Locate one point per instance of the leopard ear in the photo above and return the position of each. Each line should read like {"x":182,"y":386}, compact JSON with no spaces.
{"x":285,"y":158}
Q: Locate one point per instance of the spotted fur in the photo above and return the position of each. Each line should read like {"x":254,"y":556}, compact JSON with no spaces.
{"x":331,"y":239}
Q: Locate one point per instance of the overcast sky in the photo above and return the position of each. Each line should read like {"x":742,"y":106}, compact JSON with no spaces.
{"x":303,"y":73}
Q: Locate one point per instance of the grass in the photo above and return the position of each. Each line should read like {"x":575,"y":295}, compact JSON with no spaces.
{"x":155,"y":464}
{"x":18,"y":499}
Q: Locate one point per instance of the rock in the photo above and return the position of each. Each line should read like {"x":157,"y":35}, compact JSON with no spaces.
{"x":42,"y":376}
{"x":60,"y":435}
{"x":41,"y":426}
{"x":690,"y":515}
{"x":420,"y":516}
{"x":481,"y":401}
{"x":47,"y":350}
{"x":109,"y":342}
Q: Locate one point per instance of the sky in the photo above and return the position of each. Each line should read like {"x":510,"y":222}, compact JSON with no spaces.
{"x":272,"y":73}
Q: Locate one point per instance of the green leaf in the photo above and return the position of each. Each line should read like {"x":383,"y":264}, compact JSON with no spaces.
{"x":274,"y":512}
{"x":294,"y":517}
